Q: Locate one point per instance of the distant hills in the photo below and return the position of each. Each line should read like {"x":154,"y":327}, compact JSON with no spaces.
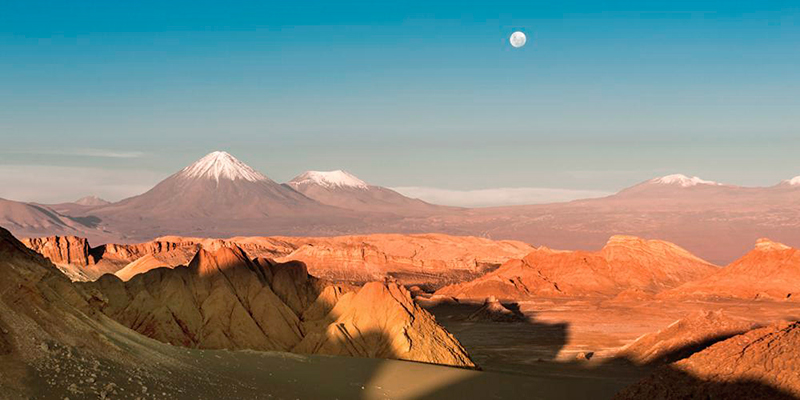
{"x":221,"y":196}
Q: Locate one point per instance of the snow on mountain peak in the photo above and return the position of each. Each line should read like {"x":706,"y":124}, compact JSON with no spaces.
{"x":221,"y":165}
{"x":793,"y":182}
{"x":682,"y":181}
{"x":91,"y":201}
{"x":329,"y":179}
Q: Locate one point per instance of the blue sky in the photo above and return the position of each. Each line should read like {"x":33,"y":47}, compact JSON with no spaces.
{"x":402,"y":94}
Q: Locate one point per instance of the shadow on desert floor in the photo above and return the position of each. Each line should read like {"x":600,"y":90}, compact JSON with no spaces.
{"x":533,"y":352}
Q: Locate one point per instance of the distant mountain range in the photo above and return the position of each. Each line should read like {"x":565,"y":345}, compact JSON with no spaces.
{"x":220,"y":196}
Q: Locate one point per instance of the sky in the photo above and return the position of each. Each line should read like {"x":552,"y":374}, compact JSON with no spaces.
{"x":108,"y":98}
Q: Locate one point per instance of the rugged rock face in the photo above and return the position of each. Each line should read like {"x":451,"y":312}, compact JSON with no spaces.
{"x":625,"y":262}
{"x":382,"y":321}
{"x":45,"y":326}
{"x":760,"y":364}
{"x":69,"y":253}
{"x":430,"y":260}
{"x":222,"y":299}
{"x":80,"y":262}
{"x":771,"y":271}
{"x":63,"y":250}
{"x":684,"y":337}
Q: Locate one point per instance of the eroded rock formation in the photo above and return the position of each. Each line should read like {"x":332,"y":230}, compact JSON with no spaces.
{"x":625,"y":262}
{"x":493,"y":310}
{"x":222,"y":299}
{"x":430,"y":260}
{"x":771,"y":271}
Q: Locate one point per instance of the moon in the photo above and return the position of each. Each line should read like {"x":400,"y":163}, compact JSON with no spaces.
{"x":518,"y":39}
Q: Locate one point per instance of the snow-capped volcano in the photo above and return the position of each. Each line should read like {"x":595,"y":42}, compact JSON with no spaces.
{"x":215,"y":191}
{"x":221,"y":165}
{"x":674,"y":187}
{"x":792,"y":182}
{"x":342,"y":189}
{"x":92,"y":201}
{"x":682,"y":181}
{"x":328,"y":179}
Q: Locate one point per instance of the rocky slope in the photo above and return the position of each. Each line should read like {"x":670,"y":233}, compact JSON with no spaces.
{"x":760,"y":364}
{"x":625,"y":262}
{"x":684,"y":337}
{"x":223,"y":299}
{"x":54,"y":345}
{"x":771,"y":271}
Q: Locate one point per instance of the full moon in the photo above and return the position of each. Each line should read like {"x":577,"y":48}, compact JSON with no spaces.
{"x":517,"y":39}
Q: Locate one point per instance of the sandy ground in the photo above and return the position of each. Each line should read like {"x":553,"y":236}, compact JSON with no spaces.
{"x":167,"y":372}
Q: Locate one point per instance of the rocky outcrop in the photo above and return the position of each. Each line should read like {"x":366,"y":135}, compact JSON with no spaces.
{"x":760,"y":364}
{"x":62,"y":250}
{"x":382,"y":321}
{"x":223,"y":299}
{"x":771,"y":271}
{"x":429,"y":260}
{"x":80,"y":262}
{"x":684,"y":337}
{"x":493,"y":310}
{"x":70,"y":253}
{"x":625,"y":262}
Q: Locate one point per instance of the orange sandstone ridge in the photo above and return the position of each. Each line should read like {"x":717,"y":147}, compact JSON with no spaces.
{"x":429,"y":260}
{"x":683,"y":337}
{"x":624,"y":263}
{"x":771,"y":271}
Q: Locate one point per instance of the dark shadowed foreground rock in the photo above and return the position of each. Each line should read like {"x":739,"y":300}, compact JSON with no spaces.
{"x":761,"y":364}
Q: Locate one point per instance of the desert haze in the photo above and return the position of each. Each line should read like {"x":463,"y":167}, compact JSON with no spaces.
{"x":220,"y":196}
